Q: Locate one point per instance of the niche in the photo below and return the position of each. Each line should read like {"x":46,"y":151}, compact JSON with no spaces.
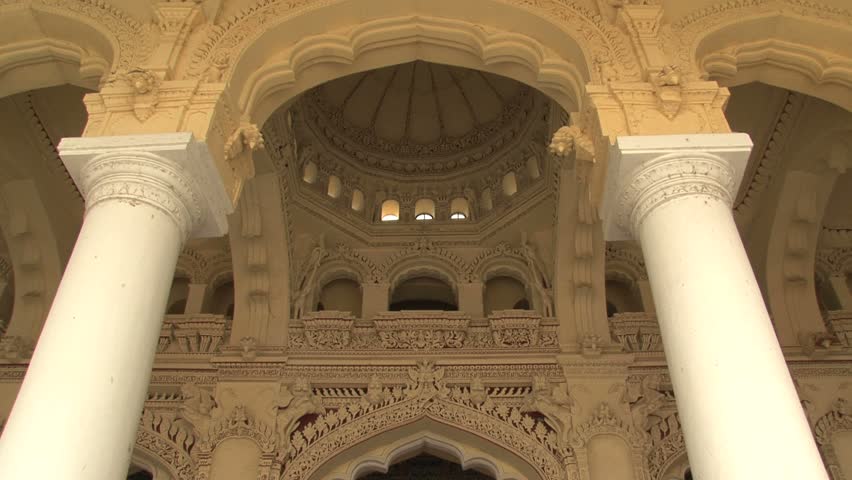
{"x":423,"y":293}
{"x":504,"y":293}
{"x":343,"y":295}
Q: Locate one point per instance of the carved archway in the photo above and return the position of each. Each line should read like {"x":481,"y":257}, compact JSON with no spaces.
{"x":378,"y":453}
{"x":604,"y":422}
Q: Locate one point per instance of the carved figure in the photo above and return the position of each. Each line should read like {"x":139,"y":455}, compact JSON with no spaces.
{"x":478,"y":394}
{"x":427,"y":382}
{"x":308,"y":280}
{"x":669,"y":76}
{"x":645,"y":399}
{"x":296,"y":401}
{"x":555,"y":403}
{"x":197,"y":409}
{"x":375,"y":391}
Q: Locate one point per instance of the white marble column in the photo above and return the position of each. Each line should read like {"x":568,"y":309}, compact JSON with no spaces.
{"x":78,"y":409}
{"x":739,"y":410}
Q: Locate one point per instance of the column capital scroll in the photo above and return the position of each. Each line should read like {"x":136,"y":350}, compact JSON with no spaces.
{"x":649,"y":171}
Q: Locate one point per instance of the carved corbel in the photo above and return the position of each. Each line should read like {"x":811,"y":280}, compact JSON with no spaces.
{"x":175,"y":20}
{"x":238,"y":147}
{"x":668,"y":89}
{"x":146,"y":92}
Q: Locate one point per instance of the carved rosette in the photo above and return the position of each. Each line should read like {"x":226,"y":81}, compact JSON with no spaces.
{"x":670,"y":177}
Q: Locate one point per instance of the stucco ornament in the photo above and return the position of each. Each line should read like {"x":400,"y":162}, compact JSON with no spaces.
{"x":238,"y":147}
{"x":146,"y":92}
{"x":197,"y":409}
{"x":555,"y":403}
{"x":570,"y":139}
{"x":644,"y":399}
{"x":375,"y":391}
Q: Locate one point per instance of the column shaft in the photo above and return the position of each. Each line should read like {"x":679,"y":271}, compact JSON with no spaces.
{"x":739,"y":409}
{"x":78,"y":409}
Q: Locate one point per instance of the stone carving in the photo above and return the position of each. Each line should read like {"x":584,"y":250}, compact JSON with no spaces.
{"x":667,"y":445}
{"x":838,"y":419}
{"x":197,"y":409}
{"x":16,"y":348}
{"x":840,"y":322}
{"x":375,"y":391}
{"x":248,"y":348}
{"x":555,"y":403}
{"x":244,"y":140}
{"x":293,"y":403}
{"x":570,"y":139}
{"x":170,"y":441}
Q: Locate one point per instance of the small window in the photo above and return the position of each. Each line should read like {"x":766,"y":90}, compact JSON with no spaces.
{"x":487,"y":202}
{"x":334,"y":187}
{"x":459,"y":209}
{"x":510,"y":184}
{"x":357,"y":200}
{"x":424,"y":209}
{"x":390,"y":211}
{"x":309,"y":173}
{"x":532,"y":168}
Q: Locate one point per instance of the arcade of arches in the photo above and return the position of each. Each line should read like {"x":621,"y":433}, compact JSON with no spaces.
{"x":374,"y":239}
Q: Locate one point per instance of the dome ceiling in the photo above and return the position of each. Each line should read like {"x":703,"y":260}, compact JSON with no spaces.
{"x":420,"y":117}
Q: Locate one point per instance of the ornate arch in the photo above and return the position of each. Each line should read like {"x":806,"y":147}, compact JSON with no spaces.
{"x":165,"y":442}
{"x":426,"y":439}
{"x":743,"y":41}
{"x":837,"y":420}
{"x":433,"y":267}
{"x":427,"y":398}
{"x":624,"y":263}
{"x":552,"y":45}
{"x":423,"y":254}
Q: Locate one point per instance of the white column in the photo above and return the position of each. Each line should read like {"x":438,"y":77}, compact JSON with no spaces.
{"x":78,"y":409}
{"x":739,"y":410}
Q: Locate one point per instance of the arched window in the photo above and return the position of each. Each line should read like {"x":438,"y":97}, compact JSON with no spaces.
{"x":222,"y":299}
{"x":504,"y":293}
{"x":510,"y":184}
{"x":343,"y":295}
{"x":177,"y":296}
{"x":532,"y":168}
{"x":424,"y":209}
{"x":335,"y":188}
{"x":136,"y":473}
{"x":622,"y":297}
{"x":487,"y":201}
{"x":309,"y":172}
{"x":357,"y":200}
{"x":390,"y":211}
{"x":459,"y":209}
{"x":423,"y":293}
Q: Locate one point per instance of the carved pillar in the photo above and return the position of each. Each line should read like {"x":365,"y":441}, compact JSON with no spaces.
{"x":78,"y":408}
{"x":195,"y":298}
{"x":737,"y":403}
{"x":376,"y":299}
{"x":470,"y":299}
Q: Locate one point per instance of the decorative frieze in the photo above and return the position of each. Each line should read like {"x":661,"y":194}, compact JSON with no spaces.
{"x":418,"y":331}
{"x":840,"y":322}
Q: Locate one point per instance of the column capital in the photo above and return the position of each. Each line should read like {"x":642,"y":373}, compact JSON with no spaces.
{"x":171,"y":172}
{"x":648,"y":171}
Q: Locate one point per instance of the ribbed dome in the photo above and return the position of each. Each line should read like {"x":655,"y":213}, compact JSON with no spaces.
{"x":420,"y":102}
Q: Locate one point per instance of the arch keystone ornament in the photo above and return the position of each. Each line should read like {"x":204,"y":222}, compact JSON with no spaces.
{"x":145,"y":196}
{"x":673,"y":193}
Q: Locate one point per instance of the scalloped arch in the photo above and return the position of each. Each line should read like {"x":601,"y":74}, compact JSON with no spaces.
{"x":77,"y":42}
{"x":787,"y":46}
{"x":276,"y":49}
{"x":430,"y":266}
